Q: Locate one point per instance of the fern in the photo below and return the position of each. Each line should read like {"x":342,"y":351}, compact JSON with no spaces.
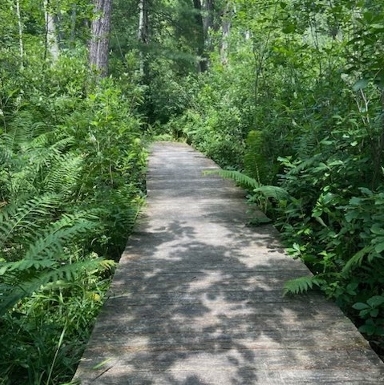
{"x":240,"y":178}
{"x":274,"y":192}
{"x":25,"y":216}
{"x":249,"y":183}
{"x":50,"y":244}
{"x":254,"y":160}
{"x":32,"y":157}
{"x":33,"y":253}
{"x":307,"y":144}
{"x":357,"y":259}
{"x":6,"y":152}
{"x":12,"y":294}
{"x":300,"y":285}
{"x":65,"y":168}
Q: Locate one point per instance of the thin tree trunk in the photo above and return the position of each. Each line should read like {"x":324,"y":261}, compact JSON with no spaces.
{"x":378,"y":149}
{"x":209,"y":6}
{"x":208,"y":22}
{"x":51,"y":42}
{"x":202,"y":60}
{"x":20,"y":24}
{"x":225,"y":31}
{"x":73,"y":25}
{"x":99,"y":44}
{"x":143,"y":33}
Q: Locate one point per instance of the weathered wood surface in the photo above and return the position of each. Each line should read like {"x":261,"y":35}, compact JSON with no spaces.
{"x":197,"y":297}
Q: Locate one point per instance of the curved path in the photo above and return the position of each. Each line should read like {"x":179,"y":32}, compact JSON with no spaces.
{"x":197,"y":297}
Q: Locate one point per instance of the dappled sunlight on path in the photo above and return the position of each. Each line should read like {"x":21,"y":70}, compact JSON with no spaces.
{"x":197,"y":297}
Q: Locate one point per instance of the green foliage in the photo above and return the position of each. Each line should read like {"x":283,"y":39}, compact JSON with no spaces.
{"x":34,"y":255}
{"x":293,"y":99}
{"x":372,"y":311}
{"x":255,"y":163}
{"x":259,"y":194}
{"x":71,"y":184}
{"x":291,"y":104}
{"x":300,"y":285}
{"x":46,"y":333}
{"x":240,"y":178}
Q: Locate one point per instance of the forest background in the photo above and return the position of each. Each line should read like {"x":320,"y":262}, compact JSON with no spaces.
{"x":286,"y":95}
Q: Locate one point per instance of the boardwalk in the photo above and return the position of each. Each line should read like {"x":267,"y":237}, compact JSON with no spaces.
{"x":197,"y":297}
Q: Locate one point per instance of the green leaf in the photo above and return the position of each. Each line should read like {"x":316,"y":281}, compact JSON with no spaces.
{"x":374,"y":312}
{"x":368,"y":328}
{"x":375,"y":301}
{"x":379,"y":247}
{"x":319,"y":219}
{"x":289,"y":28}
{"x":352,"y":214}
{"x":377,"y":229}
{"x":360,"y":306}
{"x":355,"y":201}
{"x":360,"y":85}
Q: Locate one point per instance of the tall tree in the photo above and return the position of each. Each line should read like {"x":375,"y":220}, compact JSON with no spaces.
{"x":99,"y":44}
{"x":20,"y":25}
{"x":225,"y":30}
{"x":208,"y":17}
{"x":143,"y":32}
{"x":202,"y":59}
{"x":51,"y":41}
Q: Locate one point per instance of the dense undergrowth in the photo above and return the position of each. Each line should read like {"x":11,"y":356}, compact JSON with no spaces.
{"x":71,"y":183}
{"x":297,"y":103}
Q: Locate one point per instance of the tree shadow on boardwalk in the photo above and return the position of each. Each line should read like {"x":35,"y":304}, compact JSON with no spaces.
{"x":193,"y":312}
{"x":197,"y":298}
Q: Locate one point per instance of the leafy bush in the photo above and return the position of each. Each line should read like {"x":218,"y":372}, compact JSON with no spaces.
{"x":72,"y":170}
{"x":297,"y":102}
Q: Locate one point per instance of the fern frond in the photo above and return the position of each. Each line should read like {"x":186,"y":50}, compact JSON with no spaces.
{"x":254,"y":159}
{"x":51,"y":243}
{"x":22,"y":126}
{"x":305,"y":164}
{"x":307,"y":144}
{"x":6,"y":153}
{"x":69,"y":272}
{"x":300,"y":285}
{"x":61,"y":144}
{"x":23,"y":216}
{"x":240,"y":178}
{"x":26,"y":264}
{"x":41,"y":157}
{"x":48,"y":247}
{"x":274,"y":192}
{"x":245,"y":181}
{"x":63,"y":174}
{"x":357,"y":259}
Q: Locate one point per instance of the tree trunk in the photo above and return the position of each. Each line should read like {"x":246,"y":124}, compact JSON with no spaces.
{"x":20,"y":24}
{"x":201,"y":60}
{"x":208,"y":19}
{"x":143,"y":33}
{"x":208,"y":22}
{"x":51,"y":43}
{"x":225,"y":30}
{"x":99,"y":44}
{"x":73,"y":25}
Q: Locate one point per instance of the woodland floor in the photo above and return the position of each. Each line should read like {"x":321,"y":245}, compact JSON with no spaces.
{"x":197,"y":297}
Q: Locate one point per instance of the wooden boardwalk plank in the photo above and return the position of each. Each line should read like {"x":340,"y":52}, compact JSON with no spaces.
{"x":197,"y":297}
